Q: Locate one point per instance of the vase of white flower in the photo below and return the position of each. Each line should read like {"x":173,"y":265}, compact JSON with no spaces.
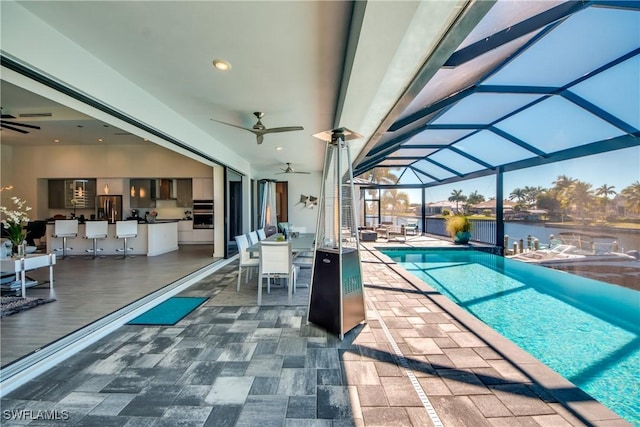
{"x":14,"y":221}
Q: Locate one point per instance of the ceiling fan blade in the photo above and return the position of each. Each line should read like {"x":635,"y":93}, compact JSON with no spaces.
{"x":235,"y":126}
{"x":282,"y":129}
{"x":6,"y":126}
{"x":259,"y":130}
{"x":20,"y":124}
{"x":305,"y":173}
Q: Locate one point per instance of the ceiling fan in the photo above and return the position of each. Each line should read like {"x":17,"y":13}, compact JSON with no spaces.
{"x":259,"y":130}
{"x":289,"y":169}
{"x":4,"y":124}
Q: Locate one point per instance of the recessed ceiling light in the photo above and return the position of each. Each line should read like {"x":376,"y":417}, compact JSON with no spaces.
{"x":279,"y":148}
{"x":221,"y":64}
{"x":100,"y":140}
{"x":56,"y":140}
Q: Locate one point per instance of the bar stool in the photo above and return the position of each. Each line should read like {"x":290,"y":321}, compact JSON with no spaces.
{"x":126,"y":230}
{"x":65,"y":229}
{"x":96,"y":230}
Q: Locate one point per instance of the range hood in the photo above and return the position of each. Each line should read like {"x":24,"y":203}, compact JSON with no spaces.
{"x":167,"y":189}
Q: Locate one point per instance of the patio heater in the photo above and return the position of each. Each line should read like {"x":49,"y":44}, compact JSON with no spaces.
{"x":336,"y":297}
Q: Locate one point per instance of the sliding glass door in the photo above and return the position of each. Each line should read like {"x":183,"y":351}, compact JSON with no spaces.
{"x":234,"y":211}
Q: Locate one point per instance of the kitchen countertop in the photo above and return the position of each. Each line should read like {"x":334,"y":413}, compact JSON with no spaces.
{"x":140,"y":221}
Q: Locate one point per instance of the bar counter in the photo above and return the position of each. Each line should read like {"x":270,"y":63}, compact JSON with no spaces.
{"x":153,"y":239}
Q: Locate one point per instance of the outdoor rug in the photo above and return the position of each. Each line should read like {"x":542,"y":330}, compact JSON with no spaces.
{"x":13,"y":305}
{"x":169,"y":312}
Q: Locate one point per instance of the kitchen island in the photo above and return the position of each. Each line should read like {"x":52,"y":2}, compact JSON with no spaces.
{"x":153,"y":239}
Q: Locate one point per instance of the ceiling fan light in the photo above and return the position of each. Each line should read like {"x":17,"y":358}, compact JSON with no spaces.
{"x":221,"y":64}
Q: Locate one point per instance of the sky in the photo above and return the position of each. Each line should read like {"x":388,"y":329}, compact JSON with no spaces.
{"x":618,"y":168}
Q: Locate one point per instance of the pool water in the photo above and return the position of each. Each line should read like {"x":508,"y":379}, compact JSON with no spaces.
{"x":587,"y":331}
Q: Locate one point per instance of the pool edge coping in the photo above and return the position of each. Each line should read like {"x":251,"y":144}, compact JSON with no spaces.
{"x":571,"y":397}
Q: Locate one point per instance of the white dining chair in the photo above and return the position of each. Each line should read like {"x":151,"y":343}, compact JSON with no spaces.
{"x":65,"y":229}
{"x":253,"y":238}
{"x":276,"y":261}
{"x":261,"y":234}
{"x":96,"y":230}
{"x":126,"y":230}
{"x":246,"y":261}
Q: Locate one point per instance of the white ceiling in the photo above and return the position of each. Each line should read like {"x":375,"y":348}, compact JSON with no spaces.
{"x":288,"y":61}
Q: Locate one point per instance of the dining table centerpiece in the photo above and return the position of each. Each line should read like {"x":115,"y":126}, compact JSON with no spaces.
{"x":14,"y":220}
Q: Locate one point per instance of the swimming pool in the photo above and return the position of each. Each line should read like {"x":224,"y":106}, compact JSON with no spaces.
{"x":587,"y":331}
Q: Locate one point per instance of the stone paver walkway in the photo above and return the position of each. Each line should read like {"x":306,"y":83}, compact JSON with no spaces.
{"x":416,"y":362}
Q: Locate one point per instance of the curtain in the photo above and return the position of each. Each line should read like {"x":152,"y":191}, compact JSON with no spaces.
{"x":268,"y":205}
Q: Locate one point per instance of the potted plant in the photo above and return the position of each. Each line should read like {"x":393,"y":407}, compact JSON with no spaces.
{"x":459,"y":228}
{"x":14,"y":220}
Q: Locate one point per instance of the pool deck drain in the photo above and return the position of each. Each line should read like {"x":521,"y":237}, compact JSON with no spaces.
{"x":403,"y":362}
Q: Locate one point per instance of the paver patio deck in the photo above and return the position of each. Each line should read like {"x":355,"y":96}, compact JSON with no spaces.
{"x":418,"y":361}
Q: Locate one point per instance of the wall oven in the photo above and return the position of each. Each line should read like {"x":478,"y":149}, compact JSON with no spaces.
{"x":202,"y":214}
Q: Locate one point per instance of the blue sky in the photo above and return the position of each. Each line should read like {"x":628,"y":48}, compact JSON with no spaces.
{"x":619,"y":168}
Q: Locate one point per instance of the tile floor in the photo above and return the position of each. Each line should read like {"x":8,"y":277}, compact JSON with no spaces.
{"x":415,"y":362}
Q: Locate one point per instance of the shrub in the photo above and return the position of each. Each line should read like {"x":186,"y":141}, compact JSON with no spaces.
{"x":456,"y":223}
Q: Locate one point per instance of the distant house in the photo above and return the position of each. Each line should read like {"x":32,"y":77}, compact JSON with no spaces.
{"x":437,"y":208}
{"x":490,"y":205}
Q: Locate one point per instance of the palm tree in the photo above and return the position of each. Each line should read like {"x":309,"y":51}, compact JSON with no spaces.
{"x":473,"y":199}
{"x":561,"y":187}
{"x":531,"y":195}
{"x":631,"y":196}
{"x":563,"y":182}
{"x":581,"y":195}
{"x":383,"y":176}
{"x":380,"y":175}
{"x":604,"y":191}
{"x":457,"y":196}
{"x":395,"y":200}
{"x":519,"y":195}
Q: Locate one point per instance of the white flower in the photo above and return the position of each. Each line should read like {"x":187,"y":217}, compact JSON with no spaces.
{"x":18,"y":215}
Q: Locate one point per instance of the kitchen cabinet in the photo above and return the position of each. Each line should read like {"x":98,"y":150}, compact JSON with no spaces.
{"x":202,"y":188}
{"x":203,"y":235}
{"x":187,"y":235}
{"x":185,"y":232}
{"x":70,"y":193}
{"x":184,"y":193}
{"x":56,"y":194}
{"x":142,"y":193}
{"x":109,"y":186}
{"x":80,"y":193}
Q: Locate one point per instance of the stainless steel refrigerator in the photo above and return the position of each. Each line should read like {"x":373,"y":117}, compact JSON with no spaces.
{"x":109,"y":208}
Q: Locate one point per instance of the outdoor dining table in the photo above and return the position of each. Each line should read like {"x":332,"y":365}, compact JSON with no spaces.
{"x":303,"y":242}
